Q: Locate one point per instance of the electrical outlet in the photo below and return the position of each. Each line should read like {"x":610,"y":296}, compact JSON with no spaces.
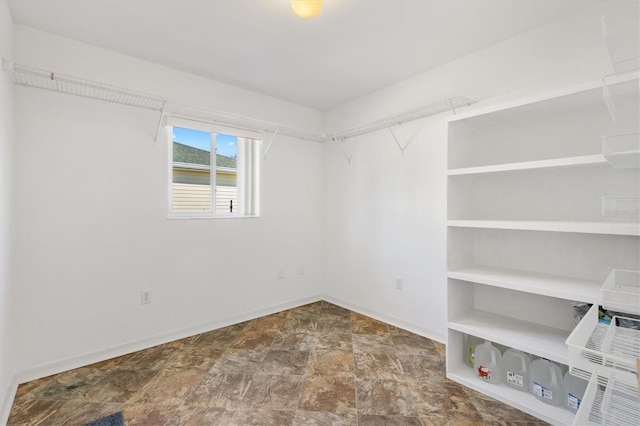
{"x":398,"y":283}
{"x":280,"y":273}
{"x":301,"y":270}
{"x":145,"y":297}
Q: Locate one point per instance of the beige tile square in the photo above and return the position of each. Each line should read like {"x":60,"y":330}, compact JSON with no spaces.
{"x":331,"y":363}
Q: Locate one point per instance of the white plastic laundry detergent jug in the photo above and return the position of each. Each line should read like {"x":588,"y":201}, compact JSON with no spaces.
{"x":516,"y":366}
{"x":547,"y":383}
{"x":574,"y":389}
{"x":486,"y":363}
{"x":469,"y":344}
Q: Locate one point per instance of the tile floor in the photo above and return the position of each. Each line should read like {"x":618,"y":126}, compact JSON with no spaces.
{"x":317,"y":364}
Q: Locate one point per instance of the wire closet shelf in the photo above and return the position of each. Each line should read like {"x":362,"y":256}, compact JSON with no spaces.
{"x":451,"y":104}
{"x":43,"y":79}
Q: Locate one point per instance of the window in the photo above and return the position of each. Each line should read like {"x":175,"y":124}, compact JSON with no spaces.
{"x":213,"y":170}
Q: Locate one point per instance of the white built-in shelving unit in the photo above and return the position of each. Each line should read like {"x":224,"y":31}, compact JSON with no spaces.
{"x":528,"y":231}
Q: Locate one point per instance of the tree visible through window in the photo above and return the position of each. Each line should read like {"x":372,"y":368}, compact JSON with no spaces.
{"x":227,"y":188}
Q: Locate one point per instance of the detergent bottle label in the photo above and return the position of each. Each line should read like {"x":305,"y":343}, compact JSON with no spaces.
{"x":515,"y":379}
{"x":541,"y":391}
{"x":573,"y":401}
{"x":484,"y":372}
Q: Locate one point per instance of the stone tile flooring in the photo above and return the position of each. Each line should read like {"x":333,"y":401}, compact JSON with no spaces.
{"x":317,"y":364}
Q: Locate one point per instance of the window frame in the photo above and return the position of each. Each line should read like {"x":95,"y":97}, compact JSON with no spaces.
{"x":255,"y":137}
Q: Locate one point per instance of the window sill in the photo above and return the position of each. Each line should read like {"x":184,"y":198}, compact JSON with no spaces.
{"x":180,"y":216}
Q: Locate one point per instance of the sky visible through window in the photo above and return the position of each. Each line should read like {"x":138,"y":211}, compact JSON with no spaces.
{"x":226,"y":145}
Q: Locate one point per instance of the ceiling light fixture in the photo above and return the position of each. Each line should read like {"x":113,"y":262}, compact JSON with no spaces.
{"x":306,"y":8}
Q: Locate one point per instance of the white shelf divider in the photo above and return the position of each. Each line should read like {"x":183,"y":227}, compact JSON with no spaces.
{"x":561,"y":287}
{"x":583,"y":160}
{"x":609,"y":228}
{"x":536,"y":339}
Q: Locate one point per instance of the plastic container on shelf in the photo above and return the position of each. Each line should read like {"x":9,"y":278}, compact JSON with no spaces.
{"x":469,"y":344}
{"x":622,"y":151}
{"x":621,"y":36}
{"x":590,"y":411}
{"x":608,"y":349}
{"x":515,"y":369}
{"x":620,"y":404}
{"x":487,"y":361}
{"x":574,"y":389}
{"x":609,"y":402}
{"x":547,"y":381}
{"x":621,"y":291}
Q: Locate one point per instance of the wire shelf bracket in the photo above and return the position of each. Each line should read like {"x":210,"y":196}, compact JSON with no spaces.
{"x":266,"y":150}
{"x":395,"y":138}
{"x":164,"y":106}
{"x":347,"y":155}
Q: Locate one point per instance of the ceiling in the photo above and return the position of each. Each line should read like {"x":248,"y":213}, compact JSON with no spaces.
{"x":352,"y":48}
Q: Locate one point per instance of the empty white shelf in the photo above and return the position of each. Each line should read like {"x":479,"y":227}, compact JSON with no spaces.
{"x":582,"y":160}
{"x":536,"y":339}
{"x":610,"y":228}
{"x":531,"y":282}
{"x":521,"y":400}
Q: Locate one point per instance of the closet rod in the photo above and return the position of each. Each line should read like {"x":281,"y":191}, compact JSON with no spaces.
{"x":48,"y":80}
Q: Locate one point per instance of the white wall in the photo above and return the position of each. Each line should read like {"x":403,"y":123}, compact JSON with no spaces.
{"x":91,"y":226}
{"x":385,"y":221}
{"x":6,"y":289}
{"x":386,"y":212}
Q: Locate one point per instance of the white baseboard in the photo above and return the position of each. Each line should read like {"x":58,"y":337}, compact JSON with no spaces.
{"x":71,"y":363}
{"x":5,"y":410}
{"x":400,"y":323}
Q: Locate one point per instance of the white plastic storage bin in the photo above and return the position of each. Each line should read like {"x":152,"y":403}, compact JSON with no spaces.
{"x":607,"y":349}
{"x":590,"y":411}
{"x":622,"y":151}
{"x":621,"y":35}
{"x":612,"y":403}
{"x":621,"y":291}
{"x":620,"y":404}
